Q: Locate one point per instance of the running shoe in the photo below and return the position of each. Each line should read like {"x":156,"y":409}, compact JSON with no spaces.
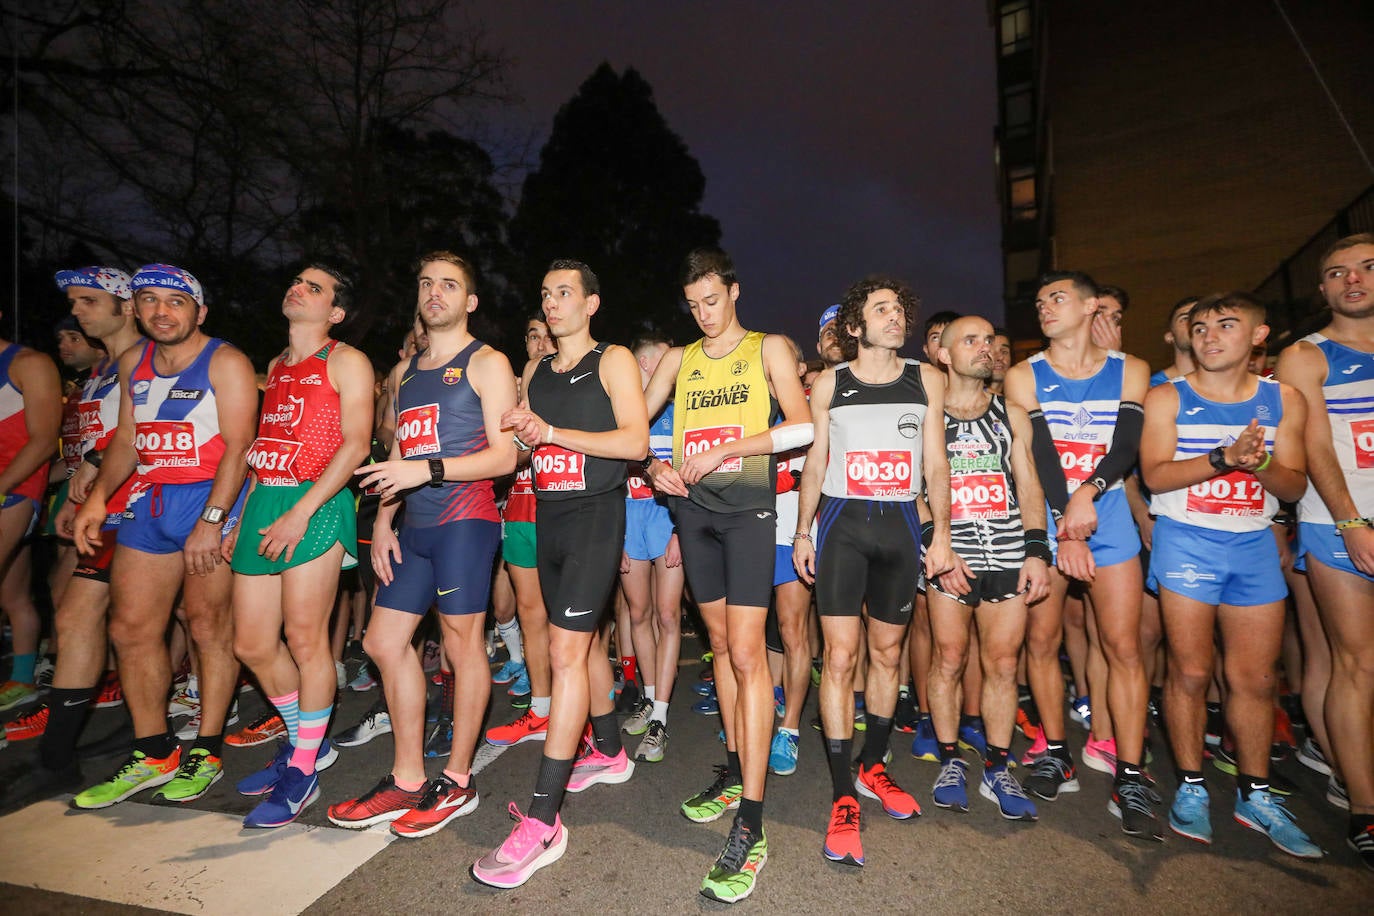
{"x":629,"y":697}
{"x":597,"y":767}
{"x":429,"y":657}
{"x":1081,"y":711}
{"x":654,"y":743}
{"x":377,"y":722}
{"x":736,"y":870}
{"x":1028,"y":728}
{"x":925,"y":746}
{"x":1212,"y":732}
{"x":1100,"y":756}
{"x":364,"y":680}
{"x":1189,"y":816}
{"x":137,"y":773}
{"x":381,"y":804}
{"x":198,"y":772}
{"x":638,"y":722}
{"x":43,"y":670}
{"x":779,"y":703}
{"x":951,"y":786}
{"x":842,"y":841}
{"x":1361,"y":840}
{"x":443,"y":800}
{"x":15,"y":693}
{"x":529,"y":727}
{"x":972,"y":737}
{"x":905,"y":717}
{"x":710,"y":706}
{"x":704,"y":689}
{"x":1264,"y":812}
{"x":1039,"y":748}
{"x":262,"y":730}
{"x":184,"y":702}
{"x":340,"y":675}
{"x":507,"y":672}
{"x":1336,"y":793}
{"x":1283,"y":729}
{"x":191,"y":728}
{"x":1134,"y":803}
{"x":999,"y":786}
{"x":520,"y":687}
{"x":440,"y":740}
{"x":876,"y":784}
{"x":292,"y":794}
{"x":782,"y":756}
{"x":720,"y":796}
{"x":530,"y":846}
{"x":111,"y":693}
{"x":1051,"y":778}
{"x":265,"y":779}
{"x":1310,"y":755}
{"x":1225,"y":761}
{"x":37,"y":783}
{"x":815,"y":672}
{"x":31,"y":724}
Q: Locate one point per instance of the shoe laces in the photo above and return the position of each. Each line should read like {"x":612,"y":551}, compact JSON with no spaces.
{"x":526,"y":834}
{"x":737,"y":846}
{"x":878,"y":779}
{"x":721,"y":782}
{"x":1003,"y":784}
{"x":951,"y":774}
{"x":1136,"y":796}
{"x":1052,"y":767}
{"x":657,"y":731}
{"x":31,"y":718}
{"x":844,"y":815}
{"x":1271,"y":806}
{"x":191,"y":764}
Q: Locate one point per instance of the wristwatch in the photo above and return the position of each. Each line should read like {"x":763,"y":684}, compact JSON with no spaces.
{"x":1100,"y":484}
{"x":212,"y":515}
{"x":1217,"y":458}
{"x":436,"y":472}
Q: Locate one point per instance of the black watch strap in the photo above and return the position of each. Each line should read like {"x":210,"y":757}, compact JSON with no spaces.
{"x":1217,"y":458}
{"x":436,"y":472}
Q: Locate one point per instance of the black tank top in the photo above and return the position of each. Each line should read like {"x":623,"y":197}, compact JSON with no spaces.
{"x":573,"y":400}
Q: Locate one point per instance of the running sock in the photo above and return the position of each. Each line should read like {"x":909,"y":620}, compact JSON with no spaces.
{"x":1058,"y":748}
{"x":214,"y":744}
{"x":289,"y":706}
{"x":996,"y":758}
{"x":510,"y":635}
{"x":309,"y":736}
{"x":408,"y":786}
{"x":67,"y":712}
{"x":463,"y":779}
{"x":732,"y":765}
{"x":875,"y":740}
{"x":660,"y":713}
{"x":948,"y":751}
{"x":549,"y":787}
{"x":606,"y":734}
{"x":1127,"y":772}
{"x":838,"y":751}
{"x":1191,"y":777}
{"x":540,"y":706}
{"x":751,"y":814}
{"x":966,"y":720}
{"x":157,"y":746}
{"x":1359,"y":823}
{"x":448,"y":689}
{"x":629,"y":667}
{"x":22,"y":671}
{"x":1247,"y":784}
{"x":649,"y":693}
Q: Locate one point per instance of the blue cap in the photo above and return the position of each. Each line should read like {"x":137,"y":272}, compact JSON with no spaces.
{"x":111,"y":279}
{"x":830,"y":314}
{"x":165,"y":276}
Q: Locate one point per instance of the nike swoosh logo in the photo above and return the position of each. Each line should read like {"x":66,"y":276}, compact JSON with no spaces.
{"x":295,"y":806}
{"x":449,"y":591}
{"x":75,"y":702}
{"x":1049,"y":389}
{"x":1351,"y":370}
{"x":577,"y":378}
{"x":569,"y":612}
{"x":1195,"y":410}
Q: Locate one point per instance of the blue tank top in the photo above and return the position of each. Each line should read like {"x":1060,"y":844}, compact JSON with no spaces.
{"x":1081,"y":413}
{"x":1349,"y":392}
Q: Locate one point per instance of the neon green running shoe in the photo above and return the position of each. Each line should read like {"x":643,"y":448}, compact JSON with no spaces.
{"x":139,"y":772}
{"x":198,"y":772}
{"x":717,"y":798}
{"x":733,"y":876}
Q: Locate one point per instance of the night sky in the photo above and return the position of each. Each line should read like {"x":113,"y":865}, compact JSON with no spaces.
{"x":835,"y":141}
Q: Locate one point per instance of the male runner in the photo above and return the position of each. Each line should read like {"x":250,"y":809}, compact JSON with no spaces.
{"x":583,"y":415}
{"x":186,"y":408}
{"x":1001,"y":361}
{"x":448,"y":448}
{"x":298,"y":525}
{"x":1221,"y":448}
{"x":997,"y":529}
{"x":1084,"y":405}
{"x":727,"y":388}
{"x":863,"y":473}
{"x":80,"y":354}
{"x":1179,"y":338}
{"x":1334,"y":369}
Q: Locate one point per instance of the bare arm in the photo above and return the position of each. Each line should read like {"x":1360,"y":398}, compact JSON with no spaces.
{"x":813,"y":475}
{"x":629,"y":441}
{"x":661,"y":384}
{"x":1304,"y":367}
{"x":935,"y":462}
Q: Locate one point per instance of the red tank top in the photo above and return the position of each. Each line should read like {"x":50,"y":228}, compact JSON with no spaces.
{"x":300,"y":429}
{"x":14,"y":435}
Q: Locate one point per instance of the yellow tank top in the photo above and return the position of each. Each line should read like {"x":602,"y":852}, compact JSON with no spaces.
{"x":721,"y":400}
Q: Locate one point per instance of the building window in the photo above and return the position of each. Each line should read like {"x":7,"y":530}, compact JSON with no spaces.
{"x":1018,"y":110}
{"x":1016,"y":27}
{"x":1021,"y":192}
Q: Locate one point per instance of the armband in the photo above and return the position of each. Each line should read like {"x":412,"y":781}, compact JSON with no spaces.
{"x":1268,"y":456}
{"x":1039,"y":548}
{"x":93,"y":458}
{"x":927,"y":534}
{"x":786,"y":438}
{"x":803,"y":536}
{"x":1347,"y":523}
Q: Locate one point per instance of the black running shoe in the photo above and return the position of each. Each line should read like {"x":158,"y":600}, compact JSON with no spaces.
{"x":1051,"y":777}
{"x":1361,"y":839}
{"x":1134,"y":803}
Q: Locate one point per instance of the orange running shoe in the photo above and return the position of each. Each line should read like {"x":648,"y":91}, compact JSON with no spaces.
{"x":111,"y":693}
{"x":266,"y":727}
{"x":31,"y":724}
{"x":842,"y":843}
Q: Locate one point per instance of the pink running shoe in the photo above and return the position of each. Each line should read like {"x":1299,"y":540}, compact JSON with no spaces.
{"x":1100,"y":756}
{"x":590,"y":769}
{"x":1039,"y":748}
{"x":530,"y":846}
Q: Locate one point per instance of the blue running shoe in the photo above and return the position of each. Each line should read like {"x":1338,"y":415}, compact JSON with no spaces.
{"x":1001,"y":787}
{"x":782,"y":756}
{"x":779,"y":702}
{"x":924,"y":746}
{"x":507,"y":672}
{"x":1080,"y":710}
{"x":972,"y":737}
{"x":264,"y":780}
{"x":293,"y":793}
{"x":704,"y":689}
{"x":440,"y":740}
{"x":520,"y":687}
{"x":1264,"y":811}
{"x":707,"y":707}
{"x":1189,"y":816}
{"x":951,"y":785}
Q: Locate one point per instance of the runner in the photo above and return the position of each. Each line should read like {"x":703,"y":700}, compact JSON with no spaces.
{"x":1221,"y":447}
{"x":447,"y":450}
{"x":863,"y":473}
{"x":582,"y":431}
{"x":315,"y":429}
{"x":186,"y":408}
{"x":727,"y":388}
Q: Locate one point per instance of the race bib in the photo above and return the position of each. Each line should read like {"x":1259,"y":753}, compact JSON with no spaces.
{"x":637,"y":487}
{"x":877,"y":473}
{"x":977,"y":497}
{"x":274,"y":461}
{"x":1237,"y":494}
{"x":89,"y":417}
{"x":1079,"y":460}
{"x":523,"y":484}
{"x":696,"y":441}
{"x":166,"y":444}
{"x":557,"y":469}
{"x":417,"y":429}
{"x":1362,"y":431}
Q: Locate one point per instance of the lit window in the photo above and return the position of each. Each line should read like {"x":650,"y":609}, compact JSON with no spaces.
{"x":1021,"y":192}
{"x":1016,"y":27}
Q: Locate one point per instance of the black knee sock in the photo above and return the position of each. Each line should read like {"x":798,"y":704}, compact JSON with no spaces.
{"x":751,"y":813}
{"x":212,"y":743}
{"x":606,"y":734}
{"x":838,"y":751}
{"x":156,"y":746}
{"x":68,"y":709}
{"x":875,"y":740}
{"x":549,"y":786}
{"x":732,"y":765}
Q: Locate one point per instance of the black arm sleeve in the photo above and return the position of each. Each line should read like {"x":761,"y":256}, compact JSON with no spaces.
{"x":1125,"y":450}
{"x":1047,"y":464}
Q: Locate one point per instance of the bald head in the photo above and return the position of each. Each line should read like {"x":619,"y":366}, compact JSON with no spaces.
{"x":966,"y":346}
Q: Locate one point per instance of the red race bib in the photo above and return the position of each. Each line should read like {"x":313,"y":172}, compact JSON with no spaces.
{"x":1079,"y":460}
{"x":274,"y":460}
{"x":417,"y":429}
{"x":637,"y":487}
{"x":696,"y":441}
{"x":166,"y":444}
{"x":976,"y":497}
{"x":877,"y":473}
{"x":558,"y":469}
{"x":1362,"y":431}
{"x":1236,"y":494}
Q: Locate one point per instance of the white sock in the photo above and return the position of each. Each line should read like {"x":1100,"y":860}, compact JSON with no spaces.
{"x":540,"y":705}
{"x":789,"y":731}
{"x":510,"y":635}
{"x":660,"y":713}
{"x":649,"y":693}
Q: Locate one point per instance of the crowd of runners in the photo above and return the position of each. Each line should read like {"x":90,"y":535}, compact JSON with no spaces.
{"x":927,"y":540}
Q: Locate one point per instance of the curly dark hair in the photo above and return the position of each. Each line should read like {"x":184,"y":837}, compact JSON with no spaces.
{"x":851,"y":314}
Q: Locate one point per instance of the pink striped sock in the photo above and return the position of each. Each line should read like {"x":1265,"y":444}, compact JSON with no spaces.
{"x":309,"y":737}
